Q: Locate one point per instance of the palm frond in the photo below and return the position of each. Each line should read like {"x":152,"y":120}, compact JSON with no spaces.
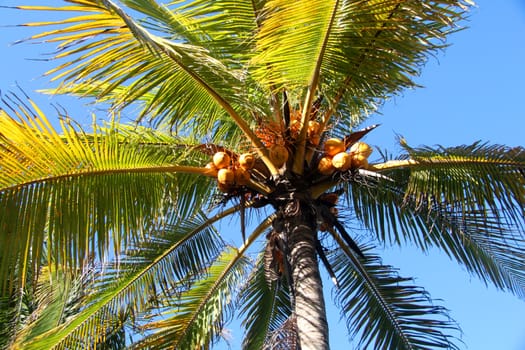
{"x":183,"y":250}
{"x":378,"y":47}
{"x":468,"y":201}
{"x":51,"y":294}
{"x":372,"y":50}
{"x":295,"y":30}
{"x":57,"y":298}
{"x":490,"y":176}
{"x":384,"y":309}
{"x":196,"y":317}
{"x":205,"y":24}
{"x":69,"y":191}
{"x":265,"y":307}
{"x":106,"y":47}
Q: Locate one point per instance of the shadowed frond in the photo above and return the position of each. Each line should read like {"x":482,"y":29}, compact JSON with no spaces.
{"x":136,"y":282}
{"x":383,"y":309}
{"x":59,"y":297}
{"x":197,"y":316}
{"x":49,"y":301}
{"x":264,"y":307}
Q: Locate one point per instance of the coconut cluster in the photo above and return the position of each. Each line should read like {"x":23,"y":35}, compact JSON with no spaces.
{"x":335,"y":157}
{"x":229,"y":173}
{"x":313,"y":132}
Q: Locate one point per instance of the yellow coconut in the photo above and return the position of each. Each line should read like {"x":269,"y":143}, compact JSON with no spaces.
{"x":314,"y":127}
{"x":242,"y":176}
{"x":342,"y":161}
{"x":278,"y":155}
{"x":211,"y":169}
{"x":226,"y":176}
{"x":246,"y":160}
{"x":361,"y":148}
{"x":333,"y":146}
{"x":295,"y":125}
{"x":221,"y":160}
{"x":325,"y":166}
{"x":359,"y":161}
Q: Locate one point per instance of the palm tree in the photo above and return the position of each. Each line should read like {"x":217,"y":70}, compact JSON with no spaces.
{"x":249,"y":109}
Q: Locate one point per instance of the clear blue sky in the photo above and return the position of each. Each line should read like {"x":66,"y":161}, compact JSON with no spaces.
{"x":473,"y":91}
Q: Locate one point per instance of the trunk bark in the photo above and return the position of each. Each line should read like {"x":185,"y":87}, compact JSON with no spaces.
{"x":309,"y":307}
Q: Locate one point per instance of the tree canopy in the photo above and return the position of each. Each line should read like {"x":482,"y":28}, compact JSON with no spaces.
{"x":110,"y":231}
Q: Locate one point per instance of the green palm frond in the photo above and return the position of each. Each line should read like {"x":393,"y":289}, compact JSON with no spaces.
{"x":265,"y":307}
{"x":107,"y":48}
{"x":57,"y":298}
{"x":378,"y":47}
{"x":7,"y":319}
{"x":186,"y":84}
{"x":69,"y":191}
{"x":296,"y":31}
{"x":264,"y":304}
{"x":468,"y":201}
{"x":205,"y":24}
{"x":183,"y":250}
{"x":362,"y":52}
{"x":50,"y":297}
{"x":383,"y":309}
{"x":490,"y":176}
{"x":196,"y":317}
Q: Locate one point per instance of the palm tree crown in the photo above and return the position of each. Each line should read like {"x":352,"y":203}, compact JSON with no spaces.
{"x":245,"y":109}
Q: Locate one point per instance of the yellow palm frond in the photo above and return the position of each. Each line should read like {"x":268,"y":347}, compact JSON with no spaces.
{"x":66,"y":191}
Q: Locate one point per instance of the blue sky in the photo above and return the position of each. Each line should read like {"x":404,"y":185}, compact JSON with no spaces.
{"x":472,"y":91}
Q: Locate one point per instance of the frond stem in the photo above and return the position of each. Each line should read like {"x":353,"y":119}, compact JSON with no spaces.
{"x":151,"y":169}
{"x":158,"y":43}
{"x":298,"y":164}
{"x":409,"y":163}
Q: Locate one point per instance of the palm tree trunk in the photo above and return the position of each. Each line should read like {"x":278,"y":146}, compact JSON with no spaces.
{"x":309,"y":306}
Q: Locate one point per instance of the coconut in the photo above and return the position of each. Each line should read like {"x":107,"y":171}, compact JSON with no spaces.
{"x":221,"y":160}
{"x":226,"y":176}
{"x":342,"y":161}
{"x":246,"y":160}
{"x":361,"y":148}
{"x":242,"y":176}
{"x":295,"y":125}
{"x":325,"y":166}
{"x":359,"y":161}
{"x":313,"y":128}
{"x":333,"y":146}
{"x":278,"y":155}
